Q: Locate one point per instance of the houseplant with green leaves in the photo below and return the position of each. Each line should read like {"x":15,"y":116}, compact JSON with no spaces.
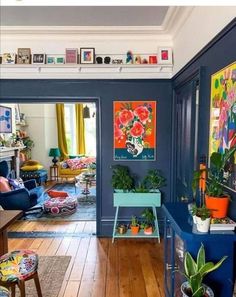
{"x":148,"y":223}
{"x":122,"y":180}
{"x":195,"y":271}
{"x":201,"y":217}
{"x":217,"y":176}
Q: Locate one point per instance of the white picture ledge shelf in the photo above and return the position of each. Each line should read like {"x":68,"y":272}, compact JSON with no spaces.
{"x":93,"y":71}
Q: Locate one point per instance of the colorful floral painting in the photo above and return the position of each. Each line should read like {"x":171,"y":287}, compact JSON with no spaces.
{"x":223,"y":109}
{"x":134,"y":130}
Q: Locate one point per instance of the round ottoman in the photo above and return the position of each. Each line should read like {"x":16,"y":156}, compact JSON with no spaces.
{"x":60,"y":206}
{"x":4,"y":292}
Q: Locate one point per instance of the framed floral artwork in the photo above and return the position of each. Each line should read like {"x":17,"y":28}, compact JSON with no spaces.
{"x":134,"y":130}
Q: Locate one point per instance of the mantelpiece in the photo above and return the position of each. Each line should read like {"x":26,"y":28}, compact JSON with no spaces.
{"x":12,"y":155}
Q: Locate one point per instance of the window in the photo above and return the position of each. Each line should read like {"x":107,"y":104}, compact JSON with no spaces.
{"x":89,"y":127}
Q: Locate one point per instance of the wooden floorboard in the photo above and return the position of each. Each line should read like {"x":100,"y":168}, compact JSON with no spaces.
{"x":98,"y":268}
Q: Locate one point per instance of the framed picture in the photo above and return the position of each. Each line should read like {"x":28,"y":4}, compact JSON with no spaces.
{"x":23,"y":55}
{"x":50,"y":60}
{"x":8,"y":58}
{"x":71,"y":55}
{"x":87,"y":55}
{"x":165,"y":55}
{"x":17,"y":113}
{"x":134,"y":125}
{"x":38,"y":58}
{"x":59,"y":60}
{"x":5,"y":119}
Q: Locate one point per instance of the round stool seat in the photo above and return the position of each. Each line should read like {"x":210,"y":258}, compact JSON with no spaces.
{"x":18,"y":265}
{"x":4,"y":292}
{"x":60,"y":206}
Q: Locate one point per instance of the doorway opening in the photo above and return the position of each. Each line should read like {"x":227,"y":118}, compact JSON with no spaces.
{"x":36,"y":128}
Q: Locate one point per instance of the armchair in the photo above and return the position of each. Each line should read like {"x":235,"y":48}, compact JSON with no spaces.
{"x":20,"y":199}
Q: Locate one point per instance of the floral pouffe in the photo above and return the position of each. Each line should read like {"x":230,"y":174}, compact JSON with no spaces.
{"x":60,"y":206}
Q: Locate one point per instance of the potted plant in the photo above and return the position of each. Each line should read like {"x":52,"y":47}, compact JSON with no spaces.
{"x":122,"y":181}
{"x":148,"y":223}
{"x":202,"y":217}
{"x":195,"y":271}
{"x":134,"y":226}
{"x":217,"y":175}
{"x":154,"y":180}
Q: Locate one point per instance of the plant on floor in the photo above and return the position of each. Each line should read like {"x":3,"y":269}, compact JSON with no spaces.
{"x":195,"y":271}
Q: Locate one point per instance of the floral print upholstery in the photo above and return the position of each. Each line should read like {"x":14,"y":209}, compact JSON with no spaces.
{"x":4,"y":292}
{"x":18,"y":265}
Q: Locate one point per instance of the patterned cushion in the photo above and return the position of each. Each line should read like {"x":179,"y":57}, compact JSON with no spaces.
{"x":4,"y":292}
{"x":18,"y":265}
{"x":4,"y":185}
{"x":60,"y":206}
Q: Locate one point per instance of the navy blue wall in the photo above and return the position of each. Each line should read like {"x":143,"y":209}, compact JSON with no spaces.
{"x":107,"y":91}
{"x":219,"y":53}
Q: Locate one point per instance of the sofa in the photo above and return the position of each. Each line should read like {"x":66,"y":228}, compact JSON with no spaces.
{"x":71,"y":167}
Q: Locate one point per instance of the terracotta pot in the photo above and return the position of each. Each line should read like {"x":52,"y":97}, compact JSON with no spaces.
{"x":134,"y":230}
{"x":218,"y":206}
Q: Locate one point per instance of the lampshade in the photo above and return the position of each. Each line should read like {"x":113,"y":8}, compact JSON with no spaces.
{"x":86,"y":112}
{"x":54,"y":152}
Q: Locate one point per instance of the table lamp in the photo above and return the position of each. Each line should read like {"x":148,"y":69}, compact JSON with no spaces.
{"x":54,"y":152}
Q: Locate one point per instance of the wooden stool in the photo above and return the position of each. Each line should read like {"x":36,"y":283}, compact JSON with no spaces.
{"x":17,"y":267}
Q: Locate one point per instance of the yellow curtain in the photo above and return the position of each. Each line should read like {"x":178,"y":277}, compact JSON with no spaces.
{"x":79,"y":125}
{"x":61,"y":130}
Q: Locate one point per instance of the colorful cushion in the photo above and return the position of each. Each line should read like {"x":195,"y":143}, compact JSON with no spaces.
{"x":31,"y":167}
{"x":60,"y":206}
{"x":16,"y":183}
{"x":75,"y":164}
{"x":18,"y":265}
{"x":4,"y":185}
{"x":4,"y":292}
{"x":55,"y":194}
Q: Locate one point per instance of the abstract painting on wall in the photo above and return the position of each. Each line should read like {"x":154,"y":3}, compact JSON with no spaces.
{"x":134,"y":130}
{"x":223,"y":109}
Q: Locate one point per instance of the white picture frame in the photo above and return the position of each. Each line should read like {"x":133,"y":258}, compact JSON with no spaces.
{"x":165,"y":55}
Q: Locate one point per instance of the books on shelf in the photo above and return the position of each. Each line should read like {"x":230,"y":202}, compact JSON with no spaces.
{"x":222,"y":224}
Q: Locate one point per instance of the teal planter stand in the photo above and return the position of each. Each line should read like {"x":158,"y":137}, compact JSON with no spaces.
{"x":137,"y":200}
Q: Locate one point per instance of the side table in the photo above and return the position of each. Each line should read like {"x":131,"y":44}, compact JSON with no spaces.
{"x":54,"y":172}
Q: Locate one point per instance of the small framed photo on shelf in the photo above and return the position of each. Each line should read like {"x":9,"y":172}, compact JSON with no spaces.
{"x":59,"y":60}
{"x":23,"y":55}
{"x":50,"y":60}
{"x":71,"y":56}
{"x":8,"y":58}
{"x":38,"y":59}
{"x":165,"y":55}
{"x":87,"y":55}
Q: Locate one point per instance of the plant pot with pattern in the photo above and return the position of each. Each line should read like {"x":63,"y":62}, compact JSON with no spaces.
{"x":195,"y":271}
{"x":202,"y":217}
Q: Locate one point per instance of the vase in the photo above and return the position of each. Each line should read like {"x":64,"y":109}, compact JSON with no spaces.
{"x":185,"y":286}
{"x":203,"y":225}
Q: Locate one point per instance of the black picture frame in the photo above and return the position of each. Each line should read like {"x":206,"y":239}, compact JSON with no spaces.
{"x":87,"y":55}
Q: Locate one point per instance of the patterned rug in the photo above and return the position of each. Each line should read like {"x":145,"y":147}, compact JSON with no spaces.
{"x":51,"y":271}
{"x":86,"y":209}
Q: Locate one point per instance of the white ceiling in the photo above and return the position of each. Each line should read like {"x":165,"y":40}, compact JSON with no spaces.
{"x":83,"y":15}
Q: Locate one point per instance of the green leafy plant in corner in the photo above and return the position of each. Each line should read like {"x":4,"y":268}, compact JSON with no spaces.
{"x":217,"y":174}
{"x":195,"y":271}
{"x":134,"y":221}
